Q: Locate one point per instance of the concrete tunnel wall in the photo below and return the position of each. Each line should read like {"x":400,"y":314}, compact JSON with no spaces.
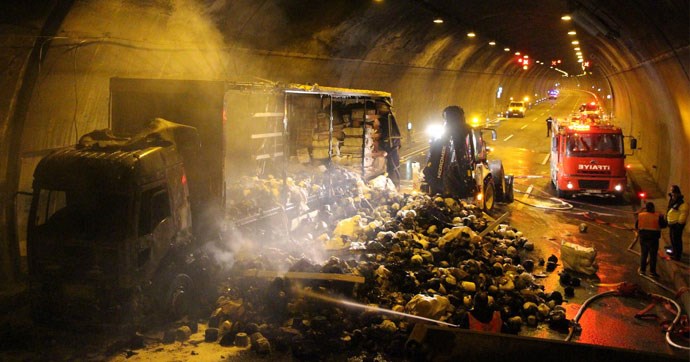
{"x":425,"y":70}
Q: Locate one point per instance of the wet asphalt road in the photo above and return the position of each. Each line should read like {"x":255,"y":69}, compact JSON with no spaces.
{"x":609,"y":321}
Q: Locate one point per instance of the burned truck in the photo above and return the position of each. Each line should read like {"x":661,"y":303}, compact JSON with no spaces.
{"x":118,"y":222}
{"x":109,"y":236}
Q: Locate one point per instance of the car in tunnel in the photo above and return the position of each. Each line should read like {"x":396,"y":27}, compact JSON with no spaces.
{"x":516,"y":109}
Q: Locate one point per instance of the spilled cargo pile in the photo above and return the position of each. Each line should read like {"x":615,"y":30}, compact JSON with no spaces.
{"x":398,"y":259}
{"x":248,"y":196}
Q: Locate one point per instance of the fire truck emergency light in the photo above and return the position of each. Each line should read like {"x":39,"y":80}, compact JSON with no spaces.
{"x":580,"y":127}
{"x":642,"y":195}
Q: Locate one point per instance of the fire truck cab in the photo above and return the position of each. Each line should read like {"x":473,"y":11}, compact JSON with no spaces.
{"x":587,"y":157}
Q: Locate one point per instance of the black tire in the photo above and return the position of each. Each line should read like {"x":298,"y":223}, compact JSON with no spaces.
{"x":497,"y":173}
{"x":509,"y":195}
{"x":489,"y":199}
{"x":181,"y":301}
{"x":562,"y":194}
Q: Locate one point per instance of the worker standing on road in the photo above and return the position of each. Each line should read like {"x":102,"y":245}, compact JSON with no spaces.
{"x":676,"y":216}
{"x":389,"y":140}
{"x":549,"y":122}
{"x":648,"y":225}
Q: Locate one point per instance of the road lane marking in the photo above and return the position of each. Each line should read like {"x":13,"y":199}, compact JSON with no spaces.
{"x":523,"y":127}
{"x":507,"y":138}
{"x":546,"y":159}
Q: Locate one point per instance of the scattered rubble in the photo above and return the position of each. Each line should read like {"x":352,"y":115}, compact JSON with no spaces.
{"x":418,"y":255}
{"x":398,"y":254}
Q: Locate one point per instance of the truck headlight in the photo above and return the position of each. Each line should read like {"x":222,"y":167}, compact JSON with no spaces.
{"x":618,"y":187}
{"x":569,"y":185}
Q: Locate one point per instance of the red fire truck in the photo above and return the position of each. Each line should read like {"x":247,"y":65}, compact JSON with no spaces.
{"x":587,"y":157}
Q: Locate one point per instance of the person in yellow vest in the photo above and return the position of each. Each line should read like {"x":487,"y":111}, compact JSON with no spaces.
{"x":482,"y":317}
{"x":676,"y":216}
{"x":648,"y":225}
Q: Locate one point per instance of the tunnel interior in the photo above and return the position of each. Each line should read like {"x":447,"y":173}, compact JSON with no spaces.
{"x":60,"y":57}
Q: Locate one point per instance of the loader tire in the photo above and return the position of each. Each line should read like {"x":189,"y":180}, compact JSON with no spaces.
{"x":509,"y":195}
{"x":497,"y":173}
{"x":489,"y":199}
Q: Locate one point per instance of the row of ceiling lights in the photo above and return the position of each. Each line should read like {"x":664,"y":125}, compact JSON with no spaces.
{"x":471,"y":34}
{"x":576,"y":48}
{"x":578,"y":51}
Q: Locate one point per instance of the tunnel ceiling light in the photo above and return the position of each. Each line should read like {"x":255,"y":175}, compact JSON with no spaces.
{"x":579,"y":60}
{"x":525,"y":56}
{"x":492,"y":43}
{"x":566,"y":17}
{"x":572,"y":32}
{"x":517,"y":53}
{"x":578,"y":53}
{"x":471,"y":34}
{"x":575,"y":42}
{"x":506,"y":49}
{"x":438,"y":21}
{"x":577,"y":48}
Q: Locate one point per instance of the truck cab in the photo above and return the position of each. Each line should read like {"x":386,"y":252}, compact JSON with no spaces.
{"x":103,"y":221}
{"x":587,"y":158}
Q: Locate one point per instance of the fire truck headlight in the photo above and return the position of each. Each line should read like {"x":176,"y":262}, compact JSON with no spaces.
{"x":569,"y":185}
{"x":618,"y":187}
{"x":480,"y":196}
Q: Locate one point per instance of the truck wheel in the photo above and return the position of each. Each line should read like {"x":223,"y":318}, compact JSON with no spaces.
{"x":497,"y":173}
{"x":562,"y":194}
{"x":489,"y":197}
{"x":508,"y":195}
{"x":181,"y":296}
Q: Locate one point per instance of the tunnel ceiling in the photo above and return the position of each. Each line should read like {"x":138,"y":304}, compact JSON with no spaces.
{"x":612,"y":34}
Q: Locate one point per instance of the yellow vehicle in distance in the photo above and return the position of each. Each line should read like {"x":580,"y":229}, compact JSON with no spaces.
{"x":516,"y":109}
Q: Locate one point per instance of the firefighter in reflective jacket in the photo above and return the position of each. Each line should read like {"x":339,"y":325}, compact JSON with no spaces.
{"x":648,"y":225}
{"x":482,"y":317}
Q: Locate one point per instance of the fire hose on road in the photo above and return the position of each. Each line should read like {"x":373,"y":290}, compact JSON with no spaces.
{"x":629,"y":290}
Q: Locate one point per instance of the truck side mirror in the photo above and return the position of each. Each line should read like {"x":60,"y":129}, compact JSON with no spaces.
{"x":633,"y":143}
